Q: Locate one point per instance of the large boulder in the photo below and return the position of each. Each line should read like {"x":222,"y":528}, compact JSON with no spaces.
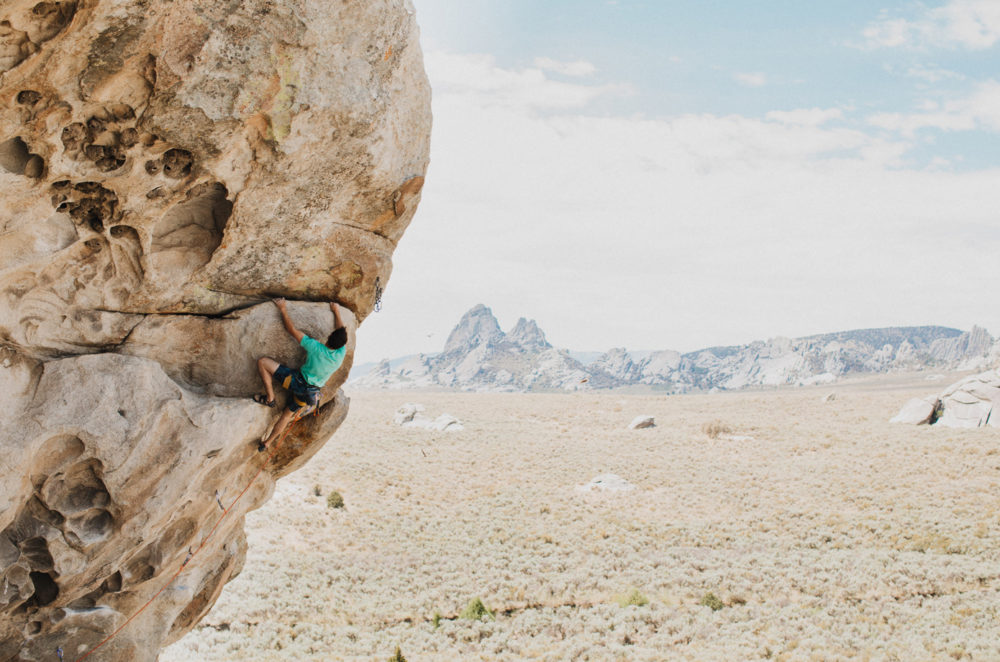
{"x":168,"y":166}
{"x":972,"y":402}
{"x":969,"y":403}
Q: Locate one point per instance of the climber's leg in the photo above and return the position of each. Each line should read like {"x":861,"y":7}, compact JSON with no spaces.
{"x":279,"y":427}
{"x":267,"y":367}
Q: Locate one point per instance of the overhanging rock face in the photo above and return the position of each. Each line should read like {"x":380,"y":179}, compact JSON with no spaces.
{"x":166,"y":167}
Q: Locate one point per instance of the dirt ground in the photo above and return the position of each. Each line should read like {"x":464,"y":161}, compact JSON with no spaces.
{"x":807,"y":528}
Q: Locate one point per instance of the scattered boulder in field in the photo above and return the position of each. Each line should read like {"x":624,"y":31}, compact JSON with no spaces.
{"x":972,"y":402}
{"x":917,"y":411}
{"x":606,"y":483}
{"x":407,"y":413}
{"x":446,"y":423}
{"x":410,"y":416}
{"x":829,"y":397}
{"x":642,"y":422}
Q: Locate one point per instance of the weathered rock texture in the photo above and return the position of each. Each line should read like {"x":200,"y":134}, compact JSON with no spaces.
{"x":166,"y":167}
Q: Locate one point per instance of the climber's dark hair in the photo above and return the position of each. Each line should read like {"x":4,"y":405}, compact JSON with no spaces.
{"x":337,"y":339}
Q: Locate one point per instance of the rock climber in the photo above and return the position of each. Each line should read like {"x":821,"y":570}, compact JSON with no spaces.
{"x":305,"y":383}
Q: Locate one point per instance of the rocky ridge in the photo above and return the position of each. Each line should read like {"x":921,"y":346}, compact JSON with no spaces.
{"x":167,"y":167}
{"x":479,"y":356}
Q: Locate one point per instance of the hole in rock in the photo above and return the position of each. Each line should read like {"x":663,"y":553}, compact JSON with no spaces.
{"x":34,"y":167}
{"x":50,"y":18}
{"x":177,"y":163}
{"x":112,"y":584}
{"x":77,"y":490}
{"x":118,"y":232}
{"x":46,"y":589}
{"x":14,"y":155}
{"x":34,"y":627}
{"x":122,"y":112}
{"x":96,"y":125}
{"x":129,"y":137}
{"x":93,"y":527}
{"x":36,"y":552}
{"x":74,"y":136}
{"x":28,"y":97}
{"x":189,"y":232}
{"x":152,"y":167}
{"x":86,"y":602}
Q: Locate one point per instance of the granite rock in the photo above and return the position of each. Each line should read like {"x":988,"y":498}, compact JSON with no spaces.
{"x":168,"y":167}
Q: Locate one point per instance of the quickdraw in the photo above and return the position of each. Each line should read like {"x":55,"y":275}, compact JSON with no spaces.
{"x":378,"y":294}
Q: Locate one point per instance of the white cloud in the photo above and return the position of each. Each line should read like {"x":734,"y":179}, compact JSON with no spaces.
{"x":933,"y":74}
{"x":752,"y":79}
{"x":978,"y":111}
{"x":576,"y":69}
{"x":973,"y":24}
{"x":806,"y":116}
{"x":478,"y":78}
{"x":680,"y":232}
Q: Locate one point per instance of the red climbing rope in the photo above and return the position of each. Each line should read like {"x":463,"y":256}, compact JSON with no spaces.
{"x":192,"y":554}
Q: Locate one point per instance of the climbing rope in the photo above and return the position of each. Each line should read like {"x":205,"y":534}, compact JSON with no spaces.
{"x":378,"y":294}
{"x":192,"y":553}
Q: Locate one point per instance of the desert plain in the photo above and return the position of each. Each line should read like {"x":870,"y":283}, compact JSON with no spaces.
{"x":788,"y":524}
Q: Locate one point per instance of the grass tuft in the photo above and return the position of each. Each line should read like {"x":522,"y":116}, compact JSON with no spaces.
{"x":712,"y":601}
{"x":633,"y":598}
{"x":476,"y":610}
{"x":397,"y":656}
{"x":716,"y":429}
{"x":334,"y":500}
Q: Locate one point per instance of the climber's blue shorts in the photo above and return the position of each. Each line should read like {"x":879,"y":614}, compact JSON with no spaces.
{"x":303,"y":393}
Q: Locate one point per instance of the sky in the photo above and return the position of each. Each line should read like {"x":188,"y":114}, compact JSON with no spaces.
{"x":680,"y":174}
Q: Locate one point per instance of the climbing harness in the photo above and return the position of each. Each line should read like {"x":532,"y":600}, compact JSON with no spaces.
{"x":378,"y":294}
{"x":192,"y":553}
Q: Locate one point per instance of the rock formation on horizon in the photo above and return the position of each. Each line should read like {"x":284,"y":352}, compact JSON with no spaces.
{"x":167,"y":167}
{"x":480,"y":357}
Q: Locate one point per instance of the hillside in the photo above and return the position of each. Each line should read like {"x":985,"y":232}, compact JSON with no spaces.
{"x":479,"y":356}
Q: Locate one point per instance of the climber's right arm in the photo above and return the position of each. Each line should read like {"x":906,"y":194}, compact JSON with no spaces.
{"x":287,"y":321}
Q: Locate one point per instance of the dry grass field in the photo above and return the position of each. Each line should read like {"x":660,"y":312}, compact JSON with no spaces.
{"x":809,"y":530}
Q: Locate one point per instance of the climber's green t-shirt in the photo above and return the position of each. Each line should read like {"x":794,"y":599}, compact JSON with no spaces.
{"x":321,"y":361}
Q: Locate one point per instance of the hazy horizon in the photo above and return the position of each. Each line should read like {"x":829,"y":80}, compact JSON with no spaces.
{"x":672,"y":175}
{"x":634,"y":351}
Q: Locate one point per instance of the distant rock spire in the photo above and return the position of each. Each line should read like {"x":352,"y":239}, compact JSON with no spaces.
{"x":477,"y":327}
{"x":528,"y":336}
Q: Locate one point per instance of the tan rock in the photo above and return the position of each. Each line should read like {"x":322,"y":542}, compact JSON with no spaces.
{"x":916,"y":411}
{"x":167,"y":167}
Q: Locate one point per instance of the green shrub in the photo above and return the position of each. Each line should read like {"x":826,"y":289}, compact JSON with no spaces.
{"x":334,"y":500}
{"x":317,"y":490}
{"x":397,"y":656}
{"x":633,"y":598}
{"x":711,"y":601}
{"x":436,"y":621}
{"x":476,"y":610}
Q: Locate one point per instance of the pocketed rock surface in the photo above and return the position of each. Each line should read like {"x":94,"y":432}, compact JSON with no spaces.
{"x":167,"y":167}
{"x":822,"y":531}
